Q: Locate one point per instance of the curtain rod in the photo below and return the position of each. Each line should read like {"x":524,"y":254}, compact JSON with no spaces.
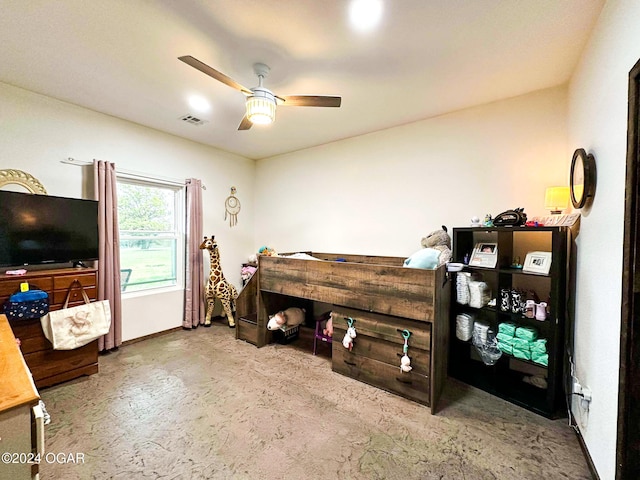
{"x":129,"y":173}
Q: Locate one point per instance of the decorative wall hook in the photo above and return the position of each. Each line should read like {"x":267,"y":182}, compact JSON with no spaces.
{"x":232,"y":208}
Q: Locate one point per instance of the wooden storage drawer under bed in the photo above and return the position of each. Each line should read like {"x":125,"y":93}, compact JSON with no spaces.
{"x":377,"y":350}
{"x":410,"y":385}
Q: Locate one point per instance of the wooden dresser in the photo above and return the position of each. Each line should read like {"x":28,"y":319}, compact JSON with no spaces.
{"x":377,"y":350}
{"x":49,"y":366}
{"x":18,"y":396}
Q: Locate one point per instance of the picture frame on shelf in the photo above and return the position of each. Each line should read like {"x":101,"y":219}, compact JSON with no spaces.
{"x":485,"y":254}
{"x":537,"y":262}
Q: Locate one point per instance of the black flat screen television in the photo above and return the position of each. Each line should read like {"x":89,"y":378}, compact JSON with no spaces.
{"x":42,"y":229}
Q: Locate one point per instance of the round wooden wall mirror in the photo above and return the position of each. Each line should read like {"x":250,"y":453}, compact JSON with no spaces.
{"x":582,"y":179}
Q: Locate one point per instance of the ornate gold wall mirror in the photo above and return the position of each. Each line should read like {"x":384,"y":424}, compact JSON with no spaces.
{"x":25,"y":180}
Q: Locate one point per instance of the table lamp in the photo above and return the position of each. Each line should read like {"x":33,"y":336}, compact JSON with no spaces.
{"x":556,"y":199}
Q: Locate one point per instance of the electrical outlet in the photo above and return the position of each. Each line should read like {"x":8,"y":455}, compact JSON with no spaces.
{"x":580,"y":402}
{"x":577,"y":388}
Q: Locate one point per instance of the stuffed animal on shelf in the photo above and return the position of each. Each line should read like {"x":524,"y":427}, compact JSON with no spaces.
{"x":441,"y":241}
{"x":286,"y":318}
{"x":436,"y":251}
{"x":269,"y":252}
{"x":427,"y":258}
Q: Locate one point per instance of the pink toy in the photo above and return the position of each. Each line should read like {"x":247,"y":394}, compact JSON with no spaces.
{"x":328,"y":329}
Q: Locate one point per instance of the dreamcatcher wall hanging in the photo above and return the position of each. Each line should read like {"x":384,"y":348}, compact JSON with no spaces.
{"x":232,"y":207}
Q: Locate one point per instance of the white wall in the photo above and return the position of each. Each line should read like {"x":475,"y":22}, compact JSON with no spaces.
{"x":37,"y":132}
{"x":381,"y":193}
{"x":598,"y":122}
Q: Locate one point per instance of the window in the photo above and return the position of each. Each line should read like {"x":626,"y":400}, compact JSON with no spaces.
{"x":150,"y":219}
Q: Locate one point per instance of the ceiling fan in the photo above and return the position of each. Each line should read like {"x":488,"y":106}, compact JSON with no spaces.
{"x":261,"y":102}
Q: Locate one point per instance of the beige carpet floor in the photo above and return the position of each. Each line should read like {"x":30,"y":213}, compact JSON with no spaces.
{"x":201,"y":405}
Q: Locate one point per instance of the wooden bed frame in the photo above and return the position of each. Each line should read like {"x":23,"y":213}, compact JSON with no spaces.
{"x":362,"y":284}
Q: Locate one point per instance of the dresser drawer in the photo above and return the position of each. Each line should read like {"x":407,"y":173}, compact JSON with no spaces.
{"x":85,"y":279}
{"x":410,"y":385}
{"x":385,"y":352}
{"x":24,"y":329}
{"x":52,"y":362}
{"x":384,"y":327}
{"x":75,"y":297}
{"x":34,"y":344}
{"x":31,"y":337}
{"x":12,"y":285}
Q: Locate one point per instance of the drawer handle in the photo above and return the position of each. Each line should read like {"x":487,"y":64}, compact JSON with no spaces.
{"x":353,"y":364}
{"x":408,"y":382}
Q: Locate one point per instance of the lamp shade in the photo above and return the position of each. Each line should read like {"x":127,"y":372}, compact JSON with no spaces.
{"x":556,"y":199}
{"x":261,"y":107}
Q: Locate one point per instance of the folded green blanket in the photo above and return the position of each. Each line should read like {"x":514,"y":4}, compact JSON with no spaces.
{"x":521,"y":344}
{"x":506,"y":348}
{"x":507,"y":329}
{"x":539,"y":346}
{"x":541,"y":358}
{"x":504,"y":338}
{"x":527,"y":333}
{"x":523,"y":354}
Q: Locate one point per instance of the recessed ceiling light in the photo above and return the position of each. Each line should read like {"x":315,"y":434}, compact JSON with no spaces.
{"x":365,"y":14}
{"x":199,"y":103}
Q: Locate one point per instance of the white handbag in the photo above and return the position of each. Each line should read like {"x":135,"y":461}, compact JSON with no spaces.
{"x":73,"y":327}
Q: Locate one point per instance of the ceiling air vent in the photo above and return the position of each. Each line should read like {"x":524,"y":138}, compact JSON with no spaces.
{"x":193,"y":120}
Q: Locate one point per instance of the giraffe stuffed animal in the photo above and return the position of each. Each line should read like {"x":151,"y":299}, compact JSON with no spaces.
{"x":217,"y":286}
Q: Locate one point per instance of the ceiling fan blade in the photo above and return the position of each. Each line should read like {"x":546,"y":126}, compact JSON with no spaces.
{"x":245,"y":124}
{"x":221,"y":77}
{"x":310,"y":101}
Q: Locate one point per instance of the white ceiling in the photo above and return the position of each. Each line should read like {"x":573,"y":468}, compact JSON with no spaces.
{"x":427,"y":57}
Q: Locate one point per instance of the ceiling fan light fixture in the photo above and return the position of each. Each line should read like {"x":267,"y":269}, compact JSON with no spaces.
{"x":261,"y":107}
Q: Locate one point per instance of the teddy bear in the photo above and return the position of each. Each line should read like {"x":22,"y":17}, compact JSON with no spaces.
{"x":436,"y":251}
{"x":441,"y":241}
{"x":286,"y":318}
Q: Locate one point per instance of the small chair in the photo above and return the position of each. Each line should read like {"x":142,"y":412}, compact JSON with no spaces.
{"x":318,"y":335}
{"x":125,"y":275}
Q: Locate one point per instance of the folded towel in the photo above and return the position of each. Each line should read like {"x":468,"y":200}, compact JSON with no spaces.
{"x":527,"y":333}
{"x":541,"y":358}
{"x":521,"y":344}
{"x":506,"y":348}
{"x":504,"y":338}
{"x":539,"y":346}
{"x":507,"y":329}
{"x":523,"y":354}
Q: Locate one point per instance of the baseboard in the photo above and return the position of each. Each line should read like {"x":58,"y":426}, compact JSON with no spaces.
{"x":583,"y":446}
{"x":219,"y":319}
{"x":147,"y":337}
